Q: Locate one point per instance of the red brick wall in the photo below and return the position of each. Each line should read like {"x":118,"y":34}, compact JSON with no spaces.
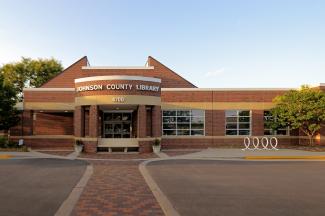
{"x":64,"y":143}
{"x":27,"y":122}
{"x":170,"y":79}
{"x":156,"y":121}
{"x":219,"y":122}
{"x":90,"y":146}
{"x":145,"y":146}
{"x":142,"y":120}
{"x":149,"y":122}
{"x":219,"y":96}
{"x":214,"y":122}
{"x":257,"y":122}
{"x":208,"y":122}
{"x":53,"y":124}
{"x":79,"y":121}
{"x":48,"y":96}
{"x":177,"y":143}
{"x":93,"y":121}
{"x":86,"y":122}
{"x":66,"y":78}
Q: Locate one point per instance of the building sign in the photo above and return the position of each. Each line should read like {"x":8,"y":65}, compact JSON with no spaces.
{"x":120,"y":86}
{"x":118,"y":99}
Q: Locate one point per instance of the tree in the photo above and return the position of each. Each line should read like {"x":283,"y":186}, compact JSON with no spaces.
{"x":8,"y":113}
{"x":30,"y":73}
{"x":302,"y":109}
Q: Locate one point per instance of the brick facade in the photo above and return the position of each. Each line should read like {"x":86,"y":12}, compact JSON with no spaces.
{"x":142,"y":120}
{"x":257,"y":122}
{"x":156,"y":121}
{"x":53,"y":124}
{"x":57,"y":119}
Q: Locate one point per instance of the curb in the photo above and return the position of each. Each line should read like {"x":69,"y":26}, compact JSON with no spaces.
{"x":161,"y":198}
{"x":5,"y":156}
{"x":67,"y":206}
{"x":284,"y":157}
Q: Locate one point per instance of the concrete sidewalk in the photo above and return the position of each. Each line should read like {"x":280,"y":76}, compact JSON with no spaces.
{"x":36,"y":154}
{"x":218,"y":153}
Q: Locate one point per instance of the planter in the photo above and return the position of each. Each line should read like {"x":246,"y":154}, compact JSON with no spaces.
{"x":78,"y":148}
{"x":156,"y":149}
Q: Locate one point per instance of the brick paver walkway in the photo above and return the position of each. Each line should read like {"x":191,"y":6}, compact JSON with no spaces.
{"x":117,"y":188}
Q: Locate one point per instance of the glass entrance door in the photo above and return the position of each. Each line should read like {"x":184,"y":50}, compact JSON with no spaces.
{"x":117,"y":124}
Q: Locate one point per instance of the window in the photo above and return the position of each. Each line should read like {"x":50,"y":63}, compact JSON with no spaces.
{"x":238,"y":122}
{"x":269,"y":131}
{"x":183,"y":122}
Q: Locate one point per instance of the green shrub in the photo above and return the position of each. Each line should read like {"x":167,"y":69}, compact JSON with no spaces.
{"x":12,"y":144}
{"x":156,"y":142}
{"x":3,"y":142}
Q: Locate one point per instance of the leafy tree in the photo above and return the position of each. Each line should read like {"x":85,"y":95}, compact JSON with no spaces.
{"x":30,"y":73}
{"x":8,"y":113}
{"x":302,"y":109}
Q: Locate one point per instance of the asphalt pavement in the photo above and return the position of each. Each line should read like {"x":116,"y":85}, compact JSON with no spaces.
{"x":238,"y":188}
{"x":37,"y":186}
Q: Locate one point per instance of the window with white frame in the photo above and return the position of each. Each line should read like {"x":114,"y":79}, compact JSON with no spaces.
{"x":183,"y":122}
{"x":268,"y":130}
{"x":238,"y":122}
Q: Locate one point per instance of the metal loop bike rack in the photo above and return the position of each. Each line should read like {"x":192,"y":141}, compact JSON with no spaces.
{"x":266,"y":143}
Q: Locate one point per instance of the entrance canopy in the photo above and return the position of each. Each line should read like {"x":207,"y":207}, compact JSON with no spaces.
{"x":132,"y":90}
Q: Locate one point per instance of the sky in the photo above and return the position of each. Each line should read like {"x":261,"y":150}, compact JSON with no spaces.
{"x":211,"y":43}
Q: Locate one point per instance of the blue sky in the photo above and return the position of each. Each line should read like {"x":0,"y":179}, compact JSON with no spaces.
{"x":229,"y":43}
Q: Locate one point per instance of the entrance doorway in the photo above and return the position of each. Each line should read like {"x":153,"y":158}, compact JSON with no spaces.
{"x":117,"y":124}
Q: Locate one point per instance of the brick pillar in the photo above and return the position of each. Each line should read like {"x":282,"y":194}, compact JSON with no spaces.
{"x":156,"y":121}
{"x":93,"y":121}
{"x":218,"y":127}
{"x":78,"y":119}
{"x":142,"y":121}
{"x":257,"y":123}
{"x":144,"y":146}
{"x":27,"y":123}
{"x":90,"y":144}
{"x":27,"y":126}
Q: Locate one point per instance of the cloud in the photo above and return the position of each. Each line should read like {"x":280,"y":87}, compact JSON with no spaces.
{"x":215,"y":73}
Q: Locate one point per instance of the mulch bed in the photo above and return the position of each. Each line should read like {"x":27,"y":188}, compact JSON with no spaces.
{"x":308,"y":148}
{"x":13,"y":150}
{"x":125,"y":156}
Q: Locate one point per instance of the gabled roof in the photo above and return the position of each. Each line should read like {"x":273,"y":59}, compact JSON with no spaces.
{"x":81,"y":68}
{"x":65,"y":79}
{"x":170,"y":78}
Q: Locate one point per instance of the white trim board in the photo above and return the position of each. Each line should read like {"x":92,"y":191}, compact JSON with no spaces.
{"x":117,"y":77}
{"x":225,"y":89}
{"x":48,"y":89}
{"x":117,"y":67}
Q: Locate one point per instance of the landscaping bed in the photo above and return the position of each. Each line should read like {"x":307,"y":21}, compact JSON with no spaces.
{"x":20,"y":149}
{"x":309,"y":148}
{"x":10,"y":146}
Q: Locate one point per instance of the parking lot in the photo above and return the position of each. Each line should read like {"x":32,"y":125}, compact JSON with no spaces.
{"x":210,"y":187}
{"x":36,"y":186}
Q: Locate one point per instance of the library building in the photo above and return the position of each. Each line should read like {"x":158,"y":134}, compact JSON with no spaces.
{"x":129,"y":108}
